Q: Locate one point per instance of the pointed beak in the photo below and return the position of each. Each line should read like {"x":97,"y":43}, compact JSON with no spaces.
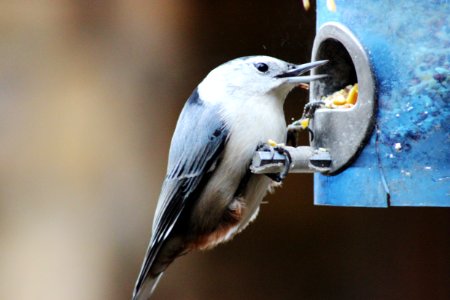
{"x":293,"y":76}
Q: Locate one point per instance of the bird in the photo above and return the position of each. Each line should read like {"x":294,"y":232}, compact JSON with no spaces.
{"x":209,"y":194}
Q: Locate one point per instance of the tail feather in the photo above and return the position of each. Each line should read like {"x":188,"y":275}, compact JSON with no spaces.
{"x":157,"y":259}
{"x":147,"y":288}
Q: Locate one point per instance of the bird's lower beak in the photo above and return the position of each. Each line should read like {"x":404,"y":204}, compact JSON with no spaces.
{"x":293,"y":76}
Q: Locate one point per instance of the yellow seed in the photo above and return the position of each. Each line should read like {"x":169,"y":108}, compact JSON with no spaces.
{"x":353,"y":95}
{"x":339,"y":100}
{"x":306,"y":4}
{"x":331,"y":5}
{"x":348,"y":105}
{"x":304,"y":123}
{"x":272,"y":143}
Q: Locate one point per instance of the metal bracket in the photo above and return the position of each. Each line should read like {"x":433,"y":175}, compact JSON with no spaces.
{"x":305,"y":159}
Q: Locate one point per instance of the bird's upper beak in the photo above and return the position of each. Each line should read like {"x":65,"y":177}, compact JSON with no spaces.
{"x":293,"y":76}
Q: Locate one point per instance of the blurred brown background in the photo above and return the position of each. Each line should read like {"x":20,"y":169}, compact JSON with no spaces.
{"x":89,"y":96}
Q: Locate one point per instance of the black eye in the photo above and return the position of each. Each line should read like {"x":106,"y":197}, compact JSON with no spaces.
{"x":262,"y":67}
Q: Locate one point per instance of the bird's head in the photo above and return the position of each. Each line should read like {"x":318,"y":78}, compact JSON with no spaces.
{"x":255,"y":76}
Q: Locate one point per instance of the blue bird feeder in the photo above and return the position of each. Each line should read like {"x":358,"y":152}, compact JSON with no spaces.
{"x":392,"y":147}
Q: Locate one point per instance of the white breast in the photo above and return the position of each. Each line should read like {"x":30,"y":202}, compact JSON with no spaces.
{"x":262,"y":120}
{"x":253,"y":122}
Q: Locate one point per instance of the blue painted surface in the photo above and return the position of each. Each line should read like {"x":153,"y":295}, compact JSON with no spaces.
{"x":408,"y":43}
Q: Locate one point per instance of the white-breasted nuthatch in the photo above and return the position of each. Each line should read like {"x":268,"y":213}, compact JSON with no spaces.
{"x":209,"y":194}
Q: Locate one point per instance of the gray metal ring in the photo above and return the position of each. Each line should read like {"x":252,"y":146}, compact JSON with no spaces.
{"x":344,"y":132}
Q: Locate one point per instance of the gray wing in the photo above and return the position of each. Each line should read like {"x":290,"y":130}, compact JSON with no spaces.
{"x":197,"y":144}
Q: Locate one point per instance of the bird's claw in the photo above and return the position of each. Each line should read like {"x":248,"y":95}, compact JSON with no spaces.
{"x":287,"y":163}
{"x":265,"y":147}
{"x":279,"y":148}
{"x":304,"y":122}
{"x":310,"y":108}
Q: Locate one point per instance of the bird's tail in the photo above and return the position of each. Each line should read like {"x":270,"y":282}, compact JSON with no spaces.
{"x":157,"y":259}
{"x":147,"y":288}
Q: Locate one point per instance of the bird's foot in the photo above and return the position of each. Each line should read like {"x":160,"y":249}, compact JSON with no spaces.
{"x":303,"y":123}
{"x":310,"y":108}
{"x":273,"y":147}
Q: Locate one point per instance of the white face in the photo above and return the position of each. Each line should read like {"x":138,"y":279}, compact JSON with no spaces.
{"x":248,"y":77}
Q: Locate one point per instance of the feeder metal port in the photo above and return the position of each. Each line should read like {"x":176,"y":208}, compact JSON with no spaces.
{"x":343,"y":132}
